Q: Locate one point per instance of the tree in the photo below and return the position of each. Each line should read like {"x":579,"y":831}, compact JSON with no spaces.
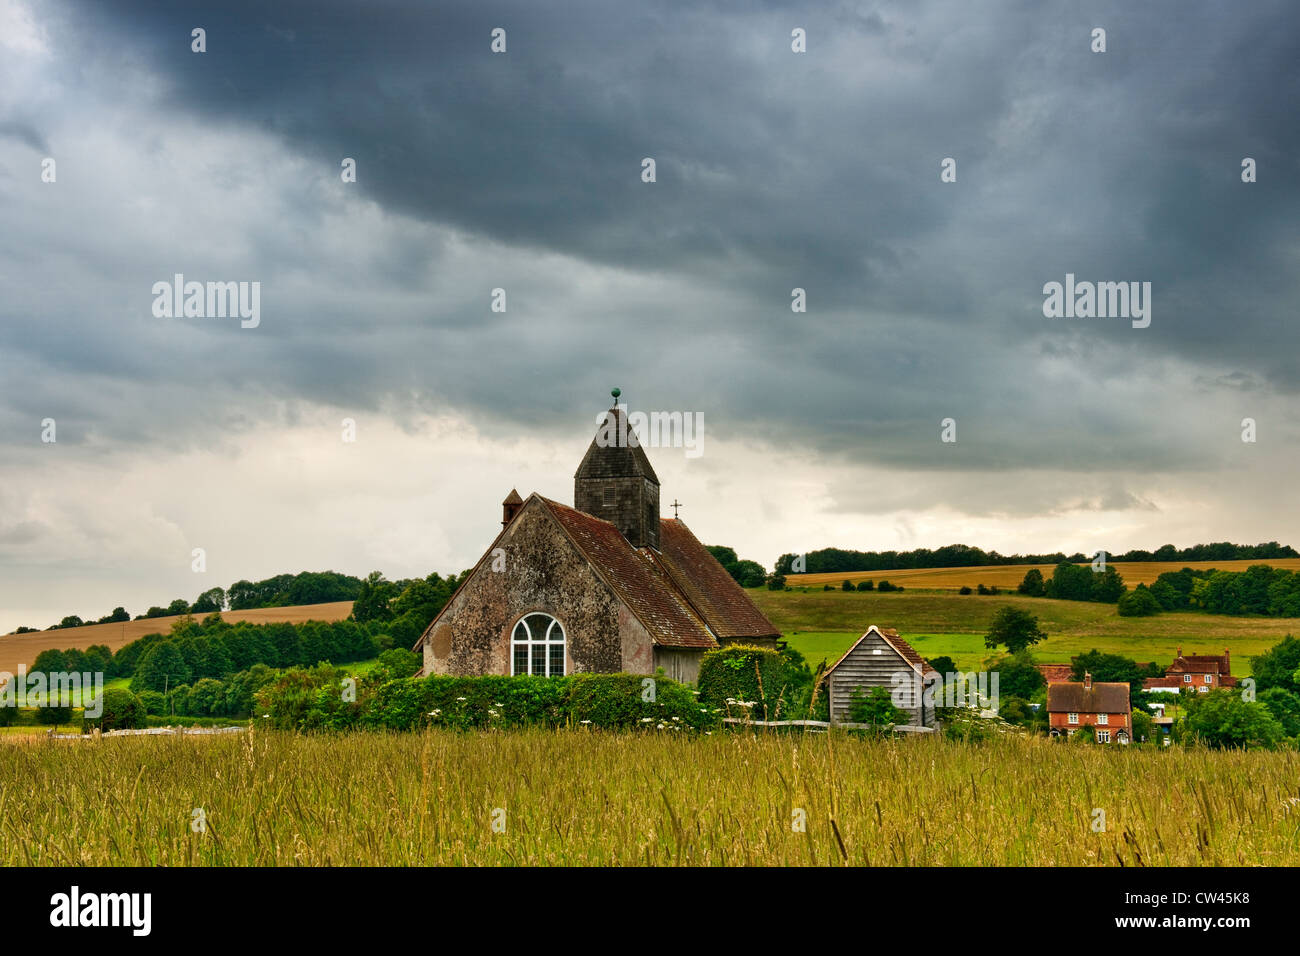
{"x":875,"y":709}
{"x":776,"y":581}
{"x":1110,"y":668}
{"x":1277,"y":665}
{"x":1070,"y":582}
{"x":1018,"y":676}
{"x":943,"y":664}
{"x":213,"y":599}
{"x":161,"y":666}
{"x":207,"y":698}
{"x":1108,"y":586}
{"x":71,"y":621}
{"x":179,"y":606}
{"x":122,"y":710}
{"x":118,"y":614}
{"x":1014,"y":629}
{"x":372,"y":603}
{"x":847,"y":585}
{"x":1222,"y":719}
{"x":1032,"y":585}
{"x":865,"y":585}
{"x":1144,"y":728}
{"x":50,"y":662}
{"x":1139,"y":602}
{"x":1285,"y":707}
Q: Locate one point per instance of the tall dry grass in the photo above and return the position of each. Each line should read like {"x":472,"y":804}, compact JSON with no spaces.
{"x":603,"y":798}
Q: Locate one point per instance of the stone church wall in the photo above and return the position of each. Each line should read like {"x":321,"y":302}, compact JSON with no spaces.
{"x":543,"y":572}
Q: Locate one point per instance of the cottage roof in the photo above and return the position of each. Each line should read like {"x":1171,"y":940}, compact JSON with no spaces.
{"x":1199,"y":664}
{"x":890,"y":637}
{"x":1076,"y":698}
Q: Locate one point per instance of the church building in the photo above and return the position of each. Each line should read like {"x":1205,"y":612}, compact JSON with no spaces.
{"x":606,"y":586}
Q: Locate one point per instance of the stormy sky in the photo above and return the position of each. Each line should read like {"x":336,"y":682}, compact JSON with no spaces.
{"x":522,"y":170}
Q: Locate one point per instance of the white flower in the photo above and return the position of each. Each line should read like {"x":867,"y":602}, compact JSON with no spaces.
{"x":676,"y":718}
{"x":584,"y":721}
{"x":646,"y":720}
{"x":661,"y":727}
{"x":462,"y":698}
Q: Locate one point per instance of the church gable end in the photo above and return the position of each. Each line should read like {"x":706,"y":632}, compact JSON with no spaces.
{"x":539,"y":569}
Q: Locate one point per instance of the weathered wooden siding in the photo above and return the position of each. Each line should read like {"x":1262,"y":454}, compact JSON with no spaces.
{"x":872,"y":663}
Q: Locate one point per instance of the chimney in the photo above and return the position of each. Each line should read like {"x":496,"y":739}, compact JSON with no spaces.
{"x":1087,"y":681}
{"x":510,"y":507}
{"x":1227,"y":663}
{"x":1180,"y":651}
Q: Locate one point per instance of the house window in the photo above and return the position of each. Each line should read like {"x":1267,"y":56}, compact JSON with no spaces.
{"x":1103,"y":736}
{"x":1103,"y":718}
{"x":1074,"y":718}
{"x":1187,"y":678}
{"x":537,"y":646}
{"x":1201,"y":690}
{"x":1209,"y":679}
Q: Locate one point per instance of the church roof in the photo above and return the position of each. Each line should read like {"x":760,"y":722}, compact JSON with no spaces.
{"x":620,"y":458}
{"x":713,"y":592}
{"x":638,"y":580}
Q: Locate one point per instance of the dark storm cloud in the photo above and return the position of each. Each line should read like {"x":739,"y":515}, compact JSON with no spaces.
{"x":774,"y":170}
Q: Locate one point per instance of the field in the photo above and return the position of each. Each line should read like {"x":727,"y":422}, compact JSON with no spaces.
{"x":580,"y":798}
{"x":825,"y":623}
{"x":18,"y":649}
{"x":1010,"y":575}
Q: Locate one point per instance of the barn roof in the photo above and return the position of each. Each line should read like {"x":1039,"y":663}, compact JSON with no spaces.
{"x":900,"y":646}
{"x":1075,"y":698}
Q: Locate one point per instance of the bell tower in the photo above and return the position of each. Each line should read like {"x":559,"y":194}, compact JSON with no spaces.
{"x":615,"y":480}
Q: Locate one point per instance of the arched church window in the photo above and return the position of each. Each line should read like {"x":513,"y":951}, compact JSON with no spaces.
{"x":537,"y":646}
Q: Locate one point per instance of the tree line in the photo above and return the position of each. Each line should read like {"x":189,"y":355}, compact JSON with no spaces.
{"x":1259,"y":591}
{"x":281,"y":590}
{"x":829,"y":560}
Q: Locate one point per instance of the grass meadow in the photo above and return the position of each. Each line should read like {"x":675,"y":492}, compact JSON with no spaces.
{"x":573,"y":797}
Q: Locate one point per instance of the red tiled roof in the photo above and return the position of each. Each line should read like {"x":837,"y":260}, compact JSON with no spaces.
{"x":638,"y":580}
{"x":713,"y":592}
{"x":1055,"y":672}
{"x":1199,"y":664}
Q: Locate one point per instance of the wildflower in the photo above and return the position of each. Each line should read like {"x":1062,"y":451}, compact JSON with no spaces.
{"x":660,"y":727}
{"x":676,"y":718}
{"x":646,"y":720}
{"x":584,"y":721}
{"x":462,"y":698}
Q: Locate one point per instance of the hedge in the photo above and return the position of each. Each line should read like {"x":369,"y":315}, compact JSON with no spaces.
{"x":311,"y":699}
{"x":742,"y":673}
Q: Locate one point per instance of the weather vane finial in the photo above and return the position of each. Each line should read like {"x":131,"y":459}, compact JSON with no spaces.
{"x":616,"y":392}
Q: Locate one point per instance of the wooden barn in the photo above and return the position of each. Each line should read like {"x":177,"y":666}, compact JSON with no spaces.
{"x":879,"y":658}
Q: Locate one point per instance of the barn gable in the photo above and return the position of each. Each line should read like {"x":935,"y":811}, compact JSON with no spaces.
{"x":873,"y":661}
